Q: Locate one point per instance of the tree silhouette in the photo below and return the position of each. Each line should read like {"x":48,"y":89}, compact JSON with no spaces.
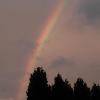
{"x":95,"y":92}
{"x":81,"y":91}
{"x":61,"y":89}
{"x":39,"y":89}
{"x":38,"y":86}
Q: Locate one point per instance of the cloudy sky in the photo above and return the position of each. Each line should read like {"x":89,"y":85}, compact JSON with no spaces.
{"x":72,"y":48}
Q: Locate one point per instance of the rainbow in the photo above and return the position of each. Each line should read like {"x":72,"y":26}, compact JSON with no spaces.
{"x":48,"y":27}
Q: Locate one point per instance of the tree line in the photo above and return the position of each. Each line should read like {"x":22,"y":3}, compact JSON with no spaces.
{"x":39,"y":89}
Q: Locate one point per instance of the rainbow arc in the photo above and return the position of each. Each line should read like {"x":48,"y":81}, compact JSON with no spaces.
{"x":48,"y":27}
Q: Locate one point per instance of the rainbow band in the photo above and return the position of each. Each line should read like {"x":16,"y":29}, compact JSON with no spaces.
{"x":48,"y":27}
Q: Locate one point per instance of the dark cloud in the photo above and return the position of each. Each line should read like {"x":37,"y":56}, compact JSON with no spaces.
{"x":91,"y":9}
{"x":61,"y":61}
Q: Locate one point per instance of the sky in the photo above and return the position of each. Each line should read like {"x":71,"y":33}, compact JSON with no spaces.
{"x":72,"y":47}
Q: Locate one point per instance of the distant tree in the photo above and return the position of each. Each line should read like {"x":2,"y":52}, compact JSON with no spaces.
{"x":95,"y":92}
{"x":38,"y":88}
{"x":61,"y":89}
{"x":81,"y":90}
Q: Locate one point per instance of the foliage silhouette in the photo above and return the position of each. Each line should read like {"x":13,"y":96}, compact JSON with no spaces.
{"x":61,"y":89}
{"x":95,"y":92}
{"x":81,"y":90}
{"x":39,"y":89}
{"x":38,"y":86}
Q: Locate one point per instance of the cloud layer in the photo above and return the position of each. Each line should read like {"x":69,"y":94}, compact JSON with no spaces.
{"x":91,"y":9}
{"x":76,"y":39}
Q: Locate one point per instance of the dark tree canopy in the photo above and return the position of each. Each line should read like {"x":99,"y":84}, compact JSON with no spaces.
{"x":95,"y":92}
{"x":61,"y":89}
{"x":39,"y":89}
{"x":38,"y":86}
{"x":81,"y":90}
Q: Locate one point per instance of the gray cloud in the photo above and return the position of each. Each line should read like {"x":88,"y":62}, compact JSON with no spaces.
{"x":61,"y":61}
{"x":90,"y":8}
